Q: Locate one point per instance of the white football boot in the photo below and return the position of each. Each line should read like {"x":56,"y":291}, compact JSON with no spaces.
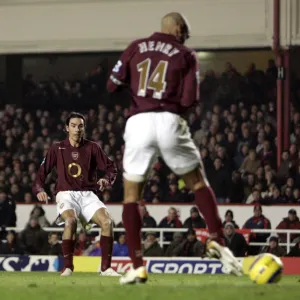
{"x":109,"y":272}
{"x":66,"y":272}
{"x":230,"y":263}
{"x":133,"y":276}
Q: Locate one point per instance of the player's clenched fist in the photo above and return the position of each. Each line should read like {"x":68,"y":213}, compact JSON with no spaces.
{"x":42,"y":196}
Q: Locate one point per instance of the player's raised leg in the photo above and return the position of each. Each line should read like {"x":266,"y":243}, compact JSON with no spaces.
{"x":103,"y":219}
{"x":68,"y":243}
{"x":206,"y":202}
{"x":183,"y":157}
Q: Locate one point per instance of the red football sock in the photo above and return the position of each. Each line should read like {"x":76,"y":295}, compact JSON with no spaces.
{"x":206,"y":202}
{"x":133,"y":223}
{"x":106,"y":244}
{"x":68,"y":249}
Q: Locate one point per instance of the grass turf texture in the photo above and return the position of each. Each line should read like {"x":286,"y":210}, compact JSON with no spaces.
{"x":89,"y":286}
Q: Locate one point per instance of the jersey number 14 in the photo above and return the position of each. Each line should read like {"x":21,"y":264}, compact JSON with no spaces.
{"x":155,"y":81}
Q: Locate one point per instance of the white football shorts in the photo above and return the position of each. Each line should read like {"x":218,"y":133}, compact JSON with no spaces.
{"x":85,"y":204}
{"x":148,"y":135}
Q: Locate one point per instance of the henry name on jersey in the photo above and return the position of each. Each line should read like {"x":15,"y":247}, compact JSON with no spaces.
{"x":158,"y":46}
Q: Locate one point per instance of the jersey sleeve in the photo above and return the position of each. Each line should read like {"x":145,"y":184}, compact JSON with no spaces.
{"x":120,"y":73}
{"x":191,"y":81}
{"x":46,"y":167}
{"x":104,"y":163}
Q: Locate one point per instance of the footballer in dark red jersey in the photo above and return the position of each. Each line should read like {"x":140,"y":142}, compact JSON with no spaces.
{"x":76,"y":161}
{"x":164,"y":77}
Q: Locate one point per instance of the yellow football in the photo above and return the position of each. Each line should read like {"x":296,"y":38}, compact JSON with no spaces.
{"x":265,"y":269}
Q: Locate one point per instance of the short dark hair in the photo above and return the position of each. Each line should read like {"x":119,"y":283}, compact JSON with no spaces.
{"x":73,"y":115}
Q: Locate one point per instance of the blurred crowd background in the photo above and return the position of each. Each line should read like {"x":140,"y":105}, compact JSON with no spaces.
{"x":234,"y":127}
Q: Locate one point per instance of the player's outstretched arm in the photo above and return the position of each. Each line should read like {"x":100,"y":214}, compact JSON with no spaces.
{"x":46,"y":167}
{"x":120,"y":72}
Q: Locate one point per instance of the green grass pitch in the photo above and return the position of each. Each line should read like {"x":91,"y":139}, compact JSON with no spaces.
{"x":89,"y":286}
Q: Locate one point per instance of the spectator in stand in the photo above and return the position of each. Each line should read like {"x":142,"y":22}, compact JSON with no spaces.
{"x":240,"y":157}
{"x":297,"y":175}
{"x":295,"y":250}
{"x":255,"y":197}
{"x":275,"y":198}
{"x":291,"y":223}
{"x":229,"y":219}
{"x":190,"y":247}
{"x":249,"y":185}
{"x":33,"y":239}
{"x":273,"y":247}
{"x":251,"y":163}
{"x":195,"y":220}
{"x":287,"y":196}
{"x":258,"y":221}
{"x":173,"y":195}
{"x":290,"y":183}
{"x":296,"y":196}
{"x":154,"y":191}
{"x":202,"y":132}
{"x":151,"y":246}
{"x":235,"y":241}
{"x":147,"y":220}
{"x":121,"y":248}
{"x":7,"y":211}
{"x":236,"y":190}
{"x":177,"y":239}
{"x":93,"y":249}
{"x":54,"y":245}
{"x":39,"y":213}
{"x":218,"y":177}
{"x":10,"y":246}
{"x":171,"y":221}
{"x":81,"y":244}
{"x":283,"y":171}
{"x":266,"y":154}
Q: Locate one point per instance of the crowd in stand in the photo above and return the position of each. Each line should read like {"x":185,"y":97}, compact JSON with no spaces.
{"x":234,"y":128}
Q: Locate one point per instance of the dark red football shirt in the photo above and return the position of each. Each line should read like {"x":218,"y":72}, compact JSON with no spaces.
{"x":162,"y":74}
{"x":76,"y":167}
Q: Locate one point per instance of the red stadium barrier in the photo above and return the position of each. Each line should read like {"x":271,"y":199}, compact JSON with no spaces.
{"x":291,"y":265}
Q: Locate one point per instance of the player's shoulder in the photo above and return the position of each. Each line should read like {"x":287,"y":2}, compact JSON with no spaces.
{"x":90,"y":144}
{"x":134,"y":44}
{"x":58,"y":145}
{"x":191,"y":53}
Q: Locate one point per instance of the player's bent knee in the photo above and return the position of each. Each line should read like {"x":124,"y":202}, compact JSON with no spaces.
{"x":106,"y":224}
{"x":70,"y":222}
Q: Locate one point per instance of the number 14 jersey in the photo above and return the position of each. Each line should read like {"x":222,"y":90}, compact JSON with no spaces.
{"x":162,"y":74}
